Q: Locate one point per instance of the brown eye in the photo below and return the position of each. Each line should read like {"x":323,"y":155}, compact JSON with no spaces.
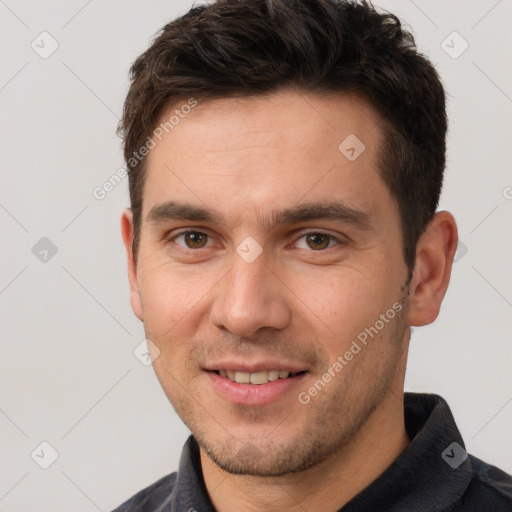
{"x":318,"y":241}
{"x":195,"y":239}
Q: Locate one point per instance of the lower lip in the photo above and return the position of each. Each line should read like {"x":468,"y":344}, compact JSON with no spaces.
{"x":253,"y":394}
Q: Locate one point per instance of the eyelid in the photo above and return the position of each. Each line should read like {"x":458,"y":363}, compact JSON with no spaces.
{"x":297,"y":236}
{"x":170,"y":237}
{"x":340,"y":240}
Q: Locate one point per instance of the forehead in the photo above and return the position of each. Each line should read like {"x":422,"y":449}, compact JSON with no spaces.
{"x":250,"y":154}
{"x":304,"y":123}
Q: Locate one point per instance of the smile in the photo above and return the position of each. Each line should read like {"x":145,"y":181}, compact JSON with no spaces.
{"x":255,"y":388}
{"x":261,"y":377}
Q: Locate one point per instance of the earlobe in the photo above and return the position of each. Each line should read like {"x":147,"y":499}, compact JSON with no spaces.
{"x":434,"y":257}
{"x":127,"y":234}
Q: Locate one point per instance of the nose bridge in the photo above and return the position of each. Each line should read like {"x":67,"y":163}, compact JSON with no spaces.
{"x":249,"y":280}
{"x":250,"y":298}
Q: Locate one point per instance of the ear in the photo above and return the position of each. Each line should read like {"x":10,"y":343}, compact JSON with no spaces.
{"x":434,"y":256}
{"x":127,"y":233}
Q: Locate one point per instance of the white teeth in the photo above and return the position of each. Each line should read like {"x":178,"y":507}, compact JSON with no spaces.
{"x":254,"y":378}
{"x":259,"y":378}
{"x":273,"y":375}
{"x":243,"y":377}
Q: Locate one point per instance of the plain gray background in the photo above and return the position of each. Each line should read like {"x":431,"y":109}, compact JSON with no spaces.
{"x":69,"y":376}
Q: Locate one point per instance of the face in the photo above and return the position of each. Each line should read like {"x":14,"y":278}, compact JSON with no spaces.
{"x":270,"y":277}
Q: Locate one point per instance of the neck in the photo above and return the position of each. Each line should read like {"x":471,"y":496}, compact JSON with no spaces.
{"x":327,"y":486}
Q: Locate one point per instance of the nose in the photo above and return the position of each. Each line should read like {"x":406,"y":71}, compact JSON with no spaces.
{"x":250,"y":297}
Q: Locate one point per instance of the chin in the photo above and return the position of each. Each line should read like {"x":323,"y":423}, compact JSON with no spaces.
{"x":263,"y":457}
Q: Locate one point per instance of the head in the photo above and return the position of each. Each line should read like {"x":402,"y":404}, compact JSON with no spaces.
{"x":285,"y":165}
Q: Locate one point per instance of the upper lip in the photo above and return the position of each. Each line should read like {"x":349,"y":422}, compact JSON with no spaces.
{"x":255,"y":367}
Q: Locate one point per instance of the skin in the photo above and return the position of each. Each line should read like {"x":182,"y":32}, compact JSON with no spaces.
{"x":294,"y":304}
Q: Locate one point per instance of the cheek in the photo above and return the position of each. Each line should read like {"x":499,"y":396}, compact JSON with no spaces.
{"x":168,"y":297}
{"x":347,"y":304}
{"x":171,"y":300}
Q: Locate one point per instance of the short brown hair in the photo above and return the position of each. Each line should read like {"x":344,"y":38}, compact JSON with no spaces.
{"x":255,"y":47}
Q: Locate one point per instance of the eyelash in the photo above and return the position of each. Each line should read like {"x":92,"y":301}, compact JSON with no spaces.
{"x":173,"y":237}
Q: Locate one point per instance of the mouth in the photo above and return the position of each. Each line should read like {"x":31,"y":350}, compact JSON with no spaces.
{"x":257,"y":387}
{"x":257,"y":378}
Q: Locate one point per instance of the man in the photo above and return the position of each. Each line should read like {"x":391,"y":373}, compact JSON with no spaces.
{"x":286,"y":160}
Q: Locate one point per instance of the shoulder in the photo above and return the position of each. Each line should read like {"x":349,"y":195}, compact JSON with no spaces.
{"x":152,"y":497}
{"x":489,"y":485}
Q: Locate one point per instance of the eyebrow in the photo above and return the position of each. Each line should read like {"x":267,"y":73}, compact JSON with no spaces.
{"x":326,"y":210}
